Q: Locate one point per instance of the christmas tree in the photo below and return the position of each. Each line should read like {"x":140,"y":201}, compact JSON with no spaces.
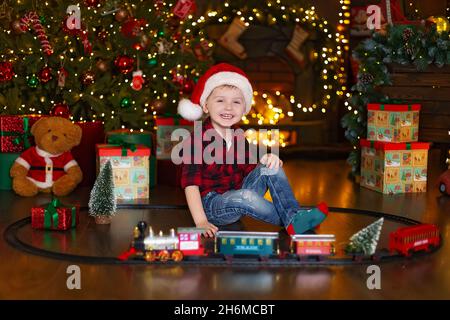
{"x":115,"y":61}
{"x":365,"y":241}
{"x":102,"y":201}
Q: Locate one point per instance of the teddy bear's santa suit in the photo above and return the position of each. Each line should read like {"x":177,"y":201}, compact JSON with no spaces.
{"x":45,"y":168}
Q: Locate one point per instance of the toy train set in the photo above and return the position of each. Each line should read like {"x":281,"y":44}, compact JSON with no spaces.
{"x":187,"y":244}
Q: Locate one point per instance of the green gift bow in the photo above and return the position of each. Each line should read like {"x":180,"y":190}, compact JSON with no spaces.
{"x":51,"y":217}
{"x":115,"y":141}
{"x":393,"y":101}
{"x":20,"y":136}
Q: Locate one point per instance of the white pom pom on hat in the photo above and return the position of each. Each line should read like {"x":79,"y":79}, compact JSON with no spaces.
{"x":220,"y":74}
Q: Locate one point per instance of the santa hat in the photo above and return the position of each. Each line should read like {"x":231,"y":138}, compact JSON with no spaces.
{"x":220,"y":74}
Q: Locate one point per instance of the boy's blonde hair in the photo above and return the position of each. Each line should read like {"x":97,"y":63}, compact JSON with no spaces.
{"x":228,"y":86}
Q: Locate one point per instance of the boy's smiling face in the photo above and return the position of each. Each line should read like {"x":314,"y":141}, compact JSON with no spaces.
{"x":226,"y":106}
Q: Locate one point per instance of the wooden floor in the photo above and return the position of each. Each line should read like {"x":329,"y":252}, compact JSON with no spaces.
{"x":24,"y":276}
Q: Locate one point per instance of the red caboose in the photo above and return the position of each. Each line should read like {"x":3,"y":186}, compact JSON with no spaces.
{"x":190,"y":241}
{"x":407,"y":240}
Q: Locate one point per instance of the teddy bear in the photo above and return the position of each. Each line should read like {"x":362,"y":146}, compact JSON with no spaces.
{"x":48,"y":166}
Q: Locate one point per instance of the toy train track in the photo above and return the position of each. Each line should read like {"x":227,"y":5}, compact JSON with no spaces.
{"x":216,"y":259}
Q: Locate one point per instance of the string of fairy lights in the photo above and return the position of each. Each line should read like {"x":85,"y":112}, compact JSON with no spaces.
{"x":331,"y":58}
{"x":113,"y":28}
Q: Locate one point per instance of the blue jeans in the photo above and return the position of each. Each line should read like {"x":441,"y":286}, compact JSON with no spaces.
{"x":229,"y":207}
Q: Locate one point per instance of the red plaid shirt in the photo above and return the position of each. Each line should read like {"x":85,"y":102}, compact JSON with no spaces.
{"x":218,"y":177}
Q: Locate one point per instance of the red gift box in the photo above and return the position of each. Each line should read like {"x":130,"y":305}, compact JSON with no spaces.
{"x":15,"y":135}
{"x":54,"y":216}
{"x":85,"y":152}
{"x":169,"y":174}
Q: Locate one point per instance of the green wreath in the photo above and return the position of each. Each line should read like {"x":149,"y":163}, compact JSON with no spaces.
{"x":402,"y":44}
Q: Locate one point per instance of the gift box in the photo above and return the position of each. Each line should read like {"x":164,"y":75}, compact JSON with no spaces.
{"x":165,"y":127}
{"x":6,"y":162}
{"x":390,"y":13}
{"x":15,"y":135}
{"x":169,"y":174}
{"x":145,"y":138}
{"x":393,"y":122}
{"x":85,"y":153}
{"x":393,"y":168}
{"x":54,"y":216}
{"x":130,"y":164}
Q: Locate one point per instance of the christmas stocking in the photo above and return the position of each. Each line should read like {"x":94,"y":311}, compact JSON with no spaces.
{"x":230,"y":39}
{"x":293,"y":49}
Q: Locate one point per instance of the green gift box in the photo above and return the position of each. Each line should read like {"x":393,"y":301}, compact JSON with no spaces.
{"x":145,"y":138}
{"x":6,"y":162}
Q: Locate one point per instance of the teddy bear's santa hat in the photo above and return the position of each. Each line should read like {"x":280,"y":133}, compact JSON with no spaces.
{"x":220,"y":74}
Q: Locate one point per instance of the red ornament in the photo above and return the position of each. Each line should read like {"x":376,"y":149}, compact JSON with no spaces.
{"x":177,"y":78}
{"x":60,"y":110}
{"x":138,"y":80}
{"x":91,"y":3}
{"x":132,"y":27}
{"x":6,"y":71}
{"x":124,"y":63}
{"x":188,"y":86}
{"x":137,"y":46}
{"x":45,"y":75}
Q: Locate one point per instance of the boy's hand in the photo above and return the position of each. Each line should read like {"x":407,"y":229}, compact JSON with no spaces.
{"x":210,"y":229}
{"x":271,"y":161}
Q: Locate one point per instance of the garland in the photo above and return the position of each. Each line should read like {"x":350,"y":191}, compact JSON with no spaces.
{"x":401,"y":44}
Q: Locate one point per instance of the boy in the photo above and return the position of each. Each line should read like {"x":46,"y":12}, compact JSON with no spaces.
{"x":221,"y":193}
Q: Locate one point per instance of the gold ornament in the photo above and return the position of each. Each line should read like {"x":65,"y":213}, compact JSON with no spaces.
{"x":121,"y":15}
{"x":87,"y":78}
{"x":442,"y":23}
{"x":102,"y":65}
{"x":159,"y":105}
{"x":15,"y":27}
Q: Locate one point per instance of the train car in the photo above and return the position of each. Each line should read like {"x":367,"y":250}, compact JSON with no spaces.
{"x":162,"y":247}
{"x":408,"y":240}
{"x":318,"y":245}
{"x":444,"y":183}
{"x":261,"y":244}
{"x":190,"y":241}
{"x":175,"y":246}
